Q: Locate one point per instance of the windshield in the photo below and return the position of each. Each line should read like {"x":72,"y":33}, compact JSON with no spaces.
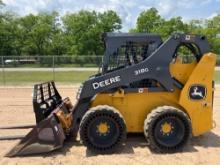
{"x":129,"y":54}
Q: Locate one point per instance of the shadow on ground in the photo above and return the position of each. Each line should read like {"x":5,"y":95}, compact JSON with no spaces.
{"x":209,"y":139}
{"x":133,"y":141}
{"x":137,"y":140}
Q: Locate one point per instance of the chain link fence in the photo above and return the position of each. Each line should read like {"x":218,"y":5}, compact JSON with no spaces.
{"x":28,"y":70}
{"x":23,"y":70}
{"x":50,"y":61}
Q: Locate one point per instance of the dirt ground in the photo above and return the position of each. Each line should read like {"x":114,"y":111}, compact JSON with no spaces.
{"x":16,"y":108}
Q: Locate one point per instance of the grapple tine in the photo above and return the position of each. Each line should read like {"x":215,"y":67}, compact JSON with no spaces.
{"x":18,"y":126}
{"x":47,"y":136}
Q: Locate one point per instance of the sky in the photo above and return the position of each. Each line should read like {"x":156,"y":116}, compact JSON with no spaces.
{"x":128,"y":10}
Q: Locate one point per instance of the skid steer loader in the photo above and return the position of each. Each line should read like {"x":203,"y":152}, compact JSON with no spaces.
{"x":145,"y":86}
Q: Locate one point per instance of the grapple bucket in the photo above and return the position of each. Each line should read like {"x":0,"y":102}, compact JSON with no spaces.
{"x":53,"y":117}
{"x":47,"y":136}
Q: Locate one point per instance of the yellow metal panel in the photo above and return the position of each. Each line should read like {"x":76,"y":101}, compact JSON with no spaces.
{"x":200,"y":112}
{"x":135,"y":106}
{"x":182,"y":71}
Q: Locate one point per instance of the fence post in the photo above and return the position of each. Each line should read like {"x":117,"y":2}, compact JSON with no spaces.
{"x":53,"y":69}
{"x":3,"y":71}
{"x":100,"y":65}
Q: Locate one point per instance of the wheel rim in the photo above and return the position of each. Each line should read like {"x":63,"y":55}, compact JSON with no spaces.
{"x":105,"y":136}
{"x":169,"y":131}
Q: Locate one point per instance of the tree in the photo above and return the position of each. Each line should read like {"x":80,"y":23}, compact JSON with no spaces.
{"x":59,"y":44}
{"x":174,"y":25}
{"x":44,"y":34}
{"x":1,"y":12}
{"x":195,"y":24}
{"x":109,"y":21}
{"x":84,"y":29}
{"x":1,"y":4}
{"x":38,"y":32}
{"x":210,"y":28}
{"x":149,"y":21}
{"x":7,"y":29}
{"x":80,"y":33}
{"x":214,"y":23}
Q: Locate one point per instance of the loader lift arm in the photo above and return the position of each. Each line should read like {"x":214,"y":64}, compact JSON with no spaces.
{"x":157,"y":64}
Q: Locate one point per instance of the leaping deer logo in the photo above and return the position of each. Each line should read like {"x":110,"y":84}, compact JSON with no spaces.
{"x":196,"y":92}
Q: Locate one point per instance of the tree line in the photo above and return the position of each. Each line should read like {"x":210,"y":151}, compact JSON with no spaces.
{"x":80,"y":33}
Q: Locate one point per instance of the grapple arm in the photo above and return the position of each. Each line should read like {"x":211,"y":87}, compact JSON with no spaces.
{"x":45,"y":99}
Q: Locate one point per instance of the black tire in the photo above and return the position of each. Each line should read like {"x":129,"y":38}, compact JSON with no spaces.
{"x":97,"y":141}
{"x":171,"y":138}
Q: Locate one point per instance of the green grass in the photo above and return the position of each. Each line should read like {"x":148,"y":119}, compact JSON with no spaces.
{"x":217,"y":77}
{"x":32,"y":77}
{"x":62,"y":77}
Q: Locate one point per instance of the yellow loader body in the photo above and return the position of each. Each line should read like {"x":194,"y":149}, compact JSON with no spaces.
{"x":136,"y":106}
